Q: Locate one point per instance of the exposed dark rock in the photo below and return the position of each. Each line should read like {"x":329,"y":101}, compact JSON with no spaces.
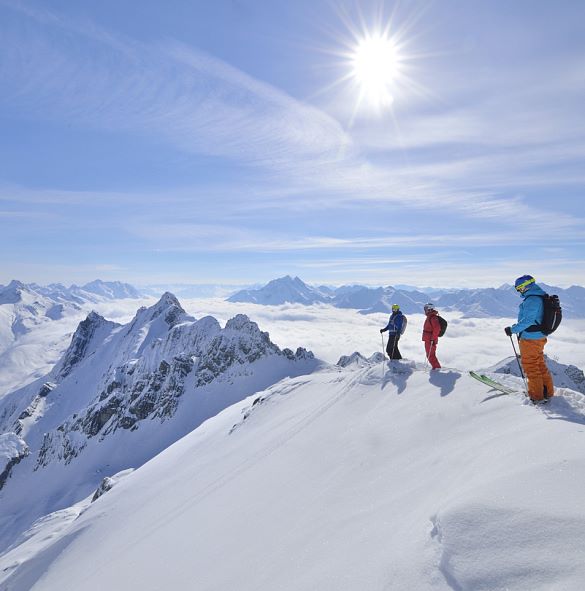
{"x":106,"y":485}
{"x":18,"y":450}
{"x":575,"y":374}
{"x":80,"y":342}
{"x":149,"y":388}
{"x":46,"y":389}
{"x":8,"y":469}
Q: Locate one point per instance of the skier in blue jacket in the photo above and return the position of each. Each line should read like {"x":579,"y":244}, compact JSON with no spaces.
{"x":394,"y":328}
{"x":532,"y":340}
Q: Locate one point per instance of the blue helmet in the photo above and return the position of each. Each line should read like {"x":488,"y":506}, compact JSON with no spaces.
{"x":521,"y":284}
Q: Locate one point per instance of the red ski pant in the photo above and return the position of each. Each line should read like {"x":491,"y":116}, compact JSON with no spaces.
{"x":537,"y":374}
{"x":430,"y":350}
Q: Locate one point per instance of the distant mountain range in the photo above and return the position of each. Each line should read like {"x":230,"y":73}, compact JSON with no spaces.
{"x":93,"y":291}
{"x":192,"y":290}
{"x":56,"y":293}
{"x":33,"y":318}
{"x":281,"y":291}
{"x":501,"y":302}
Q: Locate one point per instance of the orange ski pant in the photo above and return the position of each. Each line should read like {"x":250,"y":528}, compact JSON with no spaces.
{"x":537,"y":374}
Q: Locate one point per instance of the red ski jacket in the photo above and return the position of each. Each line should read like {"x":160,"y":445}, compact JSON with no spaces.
{"x":431,"y":327}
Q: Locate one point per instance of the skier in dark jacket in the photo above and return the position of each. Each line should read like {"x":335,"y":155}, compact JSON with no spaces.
{"x":532,"y":340}
{"x":394,"y":328}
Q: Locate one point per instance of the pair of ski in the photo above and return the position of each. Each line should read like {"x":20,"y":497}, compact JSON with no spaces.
{"x":503,"y":390}
{"x":493,"y":384}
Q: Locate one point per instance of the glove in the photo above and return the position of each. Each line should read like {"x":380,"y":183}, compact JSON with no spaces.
{"x":381,"y":330}
{"x":508,"y":331}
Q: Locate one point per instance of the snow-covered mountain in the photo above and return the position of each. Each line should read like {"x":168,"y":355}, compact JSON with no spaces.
{"x":113,"y":290}
{"x":120,"y":395}
{"x":356,"y":477}
{"x":94,"y":291}
{"x":410,"y":302}
{"x":564,"y":376}
{"x":24,"y":306}
{"x":281,"y":291}
{"x":194,"y":291}
{"x":501,"y":302}
{"x":34,"y":320}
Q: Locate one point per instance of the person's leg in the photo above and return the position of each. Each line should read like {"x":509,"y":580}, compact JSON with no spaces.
{"x":392,"y":348}
{"x":531,"y":354}
{"x":548,"y":385}
{"x":389,"y":346}
{"x":431,"y":354}
{"x":397,"y":354}
{"x":434,"y":361}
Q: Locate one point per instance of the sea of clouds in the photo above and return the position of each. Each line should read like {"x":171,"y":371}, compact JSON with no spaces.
{"x":470,"y":343}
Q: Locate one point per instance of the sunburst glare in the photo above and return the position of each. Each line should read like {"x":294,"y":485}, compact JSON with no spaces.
{"x":376,"y":68}
{"x":377,"y":60}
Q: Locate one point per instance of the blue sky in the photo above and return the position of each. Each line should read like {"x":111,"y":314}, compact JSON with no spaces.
{"x":235,"y":141}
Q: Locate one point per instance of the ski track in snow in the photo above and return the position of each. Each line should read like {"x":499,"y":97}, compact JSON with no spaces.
{"x":298,"y":426}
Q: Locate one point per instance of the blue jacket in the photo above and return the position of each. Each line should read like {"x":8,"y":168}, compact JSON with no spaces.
{"x":530,"y":313}
{"x":394,"y":325}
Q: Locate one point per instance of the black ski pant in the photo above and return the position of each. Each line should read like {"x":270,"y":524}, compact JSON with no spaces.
{"x":392,"y":347}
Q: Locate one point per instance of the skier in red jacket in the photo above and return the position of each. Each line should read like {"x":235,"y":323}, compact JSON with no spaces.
{"x":430,"y":335}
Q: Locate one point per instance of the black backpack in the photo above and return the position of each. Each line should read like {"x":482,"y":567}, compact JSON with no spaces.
{"x":551,"y":316}
{"x":443,"y":324}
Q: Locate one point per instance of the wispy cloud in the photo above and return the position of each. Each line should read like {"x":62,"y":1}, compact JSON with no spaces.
{"x":167,"y":90}
{"x":205,"y":106}
{"x":205,"y":237}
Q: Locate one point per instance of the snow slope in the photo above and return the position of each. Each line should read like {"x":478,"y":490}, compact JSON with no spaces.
{"x":362,"y":477}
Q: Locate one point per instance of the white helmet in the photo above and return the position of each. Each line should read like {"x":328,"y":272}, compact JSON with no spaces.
{"x":428,"y":307}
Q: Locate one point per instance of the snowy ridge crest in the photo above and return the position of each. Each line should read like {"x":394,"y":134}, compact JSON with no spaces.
{"x":151,"y":364}
{"x":86,"y":339}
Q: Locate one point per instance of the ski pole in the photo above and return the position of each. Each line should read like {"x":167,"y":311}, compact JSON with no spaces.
{"x":427,"y":353}
{"x":519,"y":366}
{"x":383,"y":354}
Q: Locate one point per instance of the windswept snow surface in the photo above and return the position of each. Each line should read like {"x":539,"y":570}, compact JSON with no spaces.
{"x":349,"y":478}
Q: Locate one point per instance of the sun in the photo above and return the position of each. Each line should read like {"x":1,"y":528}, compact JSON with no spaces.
{"x":375,"y":64}
{"x":379,"y":57}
